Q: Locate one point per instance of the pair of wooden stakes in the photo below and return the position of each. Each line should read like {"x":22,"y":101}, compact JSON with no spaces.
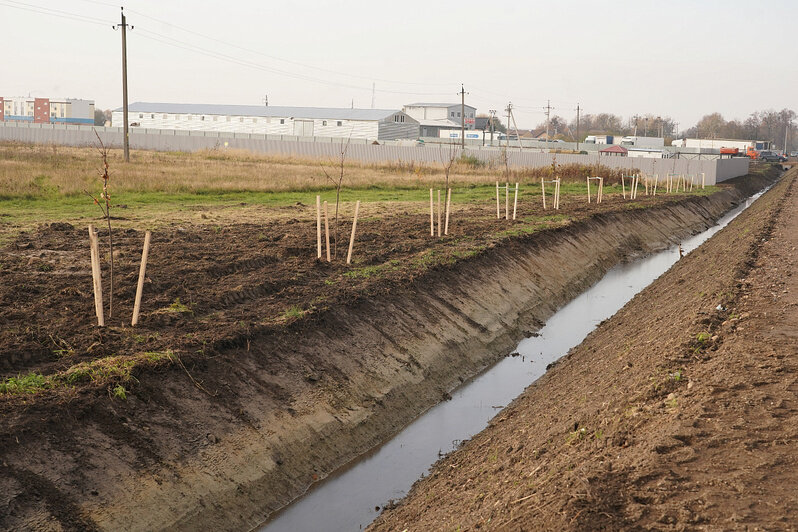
{"x":327,"y":231}
{"x":599,"y":192}
{"x":432,"y":212}
{"x":506,"y":188}
{"x":556,"y":183}
{"x":94,"y":243}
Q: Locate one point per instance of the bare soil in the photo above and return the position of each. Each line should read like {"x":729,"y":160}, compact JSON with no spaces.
{"x":243,"y":279}
{"x":281,"y":367}
{"x":678,"y":413}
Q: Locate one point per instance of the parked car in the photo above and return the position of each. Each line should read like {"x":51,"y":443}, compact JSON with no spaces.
{"x":794,"y":154}
{"x":771,"y":157}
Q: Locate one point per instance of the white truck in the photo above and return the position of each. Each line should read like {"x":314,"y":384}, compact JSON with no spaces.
{"x":599,"y":139}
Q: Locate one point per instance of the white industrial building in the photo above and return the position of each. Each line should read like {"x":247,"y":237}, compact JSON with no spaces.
{"x":435,"y":118}
{"x":369,"y":124}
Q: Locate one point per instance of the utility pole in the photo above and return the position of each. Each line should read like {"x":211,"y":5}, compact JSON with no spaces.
{"x":492,"y":118}
{"x":265,"y":100}
{"x":786,"y":132}
{"x":126,"y":132}
{"x":507,"y":135}
{"x":548,"y":109}
{"x":462,"y":116}
{"x":577,"y":126}
{"x":676,"y":125}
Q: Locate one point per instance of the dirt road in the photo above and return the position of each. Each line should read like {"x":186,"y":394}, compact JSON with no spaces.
{"x":679,"y":413}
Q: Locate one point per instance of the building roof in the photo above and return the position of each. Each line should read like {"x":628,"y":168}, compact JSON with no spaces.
{"x":614,"y":149}
{"x":437,"y":105}
{"x":332,"y":113}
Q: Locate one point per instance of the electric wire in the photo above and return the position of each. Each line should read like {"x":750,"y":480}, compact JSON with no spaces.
{"x":297,"y":63}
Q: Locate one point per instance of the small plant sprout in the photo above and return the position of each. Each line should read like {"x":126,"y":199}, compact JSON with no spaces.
{"x":120,"y":392}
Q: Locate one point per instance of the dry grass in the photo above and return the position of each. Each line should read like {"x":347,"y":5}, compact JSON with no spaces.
{"x":31,"y":171}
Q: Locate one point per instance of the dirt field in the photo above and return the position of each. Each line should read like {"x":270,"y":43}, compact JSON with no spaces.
{"x":244,"y":279}
{"x":258,"y":370}
{"x":679,"y":413}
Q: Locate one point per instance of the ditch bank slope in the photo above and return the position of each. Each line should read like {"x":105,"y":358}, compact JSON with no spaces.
{"x":227,"y":440}
{"x":678,"y":413}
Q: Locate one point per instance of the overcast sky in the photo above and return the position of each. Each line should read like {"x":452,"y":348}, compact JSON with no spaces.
{"x":670,"y":58}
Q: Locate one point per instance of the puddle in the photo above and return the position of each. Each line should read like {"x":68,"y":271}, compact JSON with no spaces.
{"x":352,"y":499}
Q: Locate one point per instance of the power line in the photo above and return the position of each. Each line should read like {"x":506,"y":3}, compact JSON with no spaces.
{"x":171,"y":41}
{"x":41,"y":10}
{"x":211,"y":53}
{"x":289,"y":61}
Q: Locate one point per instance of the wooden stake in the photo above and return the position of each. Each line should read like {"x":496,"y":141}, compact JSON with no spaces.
{"x":140,"y":286}
{"x":557,"y":194}
{"x":439,"y":213}
{"x":623,"y":186}
{"x":507,"y":201}
{"x":498,"y":209}
{"x":656,"y":182}
{"x":326,"y":232}
{"x":588,"y":189}
{"x":431,"y":215}
{"x":601,"y":190}
{"x":318,"y":227}
{"x":515,"y":201}
{"x":543,"y":191}
{"x":448,"y":210}
{"x":703,"y":180}
{"x":352,"y":238}
{"x":96,"y":276}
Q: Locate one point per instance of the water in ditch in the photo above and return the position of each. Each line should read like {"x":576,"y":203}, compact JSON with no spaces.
{"x":350,"y":500}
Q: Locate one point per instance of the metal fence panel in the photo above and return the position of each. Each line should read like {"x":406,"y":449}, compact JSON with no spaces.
{"x":359,"y":149}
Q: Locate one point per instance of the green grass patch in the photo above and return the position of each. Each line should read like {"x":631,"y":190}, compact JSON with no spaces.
{"x":293,"y":312}
{"x":23,"y":384}
{"x":367,"y":272}
{"x":177,"y":307}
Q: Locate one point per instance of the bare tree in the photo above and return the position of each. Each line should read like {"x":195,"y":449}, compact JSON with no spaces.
{"x":105,"y":206}
{"x":337,"y":181}
{"x":447,"y":160}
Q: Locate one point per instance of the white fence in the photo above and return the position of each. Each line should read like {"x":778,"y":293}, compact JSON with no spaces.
{"x":358,"y":150}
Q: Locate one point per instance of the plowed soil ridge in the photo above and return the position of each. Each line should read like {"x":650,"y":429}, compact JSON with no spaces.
{"x":678,"y":413}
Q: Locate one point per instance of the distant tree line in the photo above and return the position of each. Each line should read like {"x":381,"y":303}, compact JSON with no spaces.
{"x":767,"y":125}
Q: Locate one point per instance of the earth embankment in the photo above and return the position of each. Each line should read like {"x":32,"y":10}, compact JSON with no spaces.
{"x":222,"y":441}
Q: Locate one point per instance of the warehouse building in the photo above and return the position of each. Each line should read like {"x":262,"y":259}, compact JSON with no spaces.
{"x":369,"y":124}
{"x":47,"y":111}
{"x":434,"y":118}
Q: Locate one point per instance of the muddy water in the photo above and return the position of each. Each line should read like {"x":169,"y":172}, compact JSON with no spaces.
{"x":352,"y":499}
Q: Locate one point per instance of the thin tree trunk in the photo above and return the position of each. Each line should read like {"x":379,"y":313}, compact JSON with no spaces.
{"x":111,"y":250}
